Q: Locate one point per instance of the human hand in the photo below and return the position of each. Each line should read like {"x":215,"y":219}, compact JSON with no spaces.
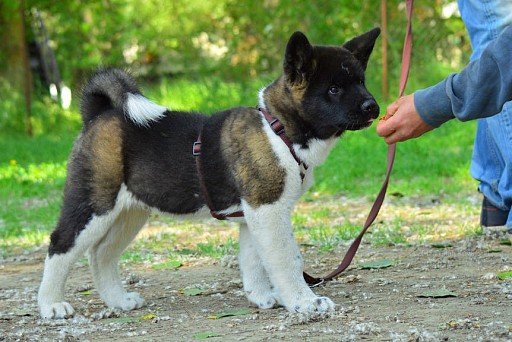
{"x":402,"y":122}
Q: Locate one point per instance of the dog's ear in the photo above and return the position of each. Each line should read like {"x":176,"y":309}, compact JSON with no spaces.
{"x":298,"y":59}
{"x":362,"y":46}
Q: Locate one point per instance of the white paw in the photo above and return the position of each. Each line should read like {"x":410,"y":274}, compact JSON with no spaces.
{"x":312,"y":305}
{"x":56,"y":310}
{"x":263,"y":299}
{"x":128,"y":301}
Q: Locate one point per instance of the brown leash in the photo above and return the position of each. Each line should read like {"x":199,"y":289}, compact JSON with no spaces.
{"x":278,"y":129}
{"x":406,"y":61}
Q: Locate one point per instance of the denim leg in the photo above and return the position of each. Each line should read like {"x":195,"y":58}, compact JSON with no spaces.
{"x":492,"y":155}
{"x":500,"y":127}
{"x":484,"y":20}
{"x":492,"y":159}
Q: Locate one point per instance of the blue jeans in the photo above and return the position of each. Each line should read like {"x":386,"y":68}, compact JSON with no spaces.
{"x":492,"y":154}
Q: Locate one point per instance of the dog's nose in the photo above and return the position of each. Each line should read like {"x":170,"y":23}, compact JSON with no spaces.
{"x":370,"y":107}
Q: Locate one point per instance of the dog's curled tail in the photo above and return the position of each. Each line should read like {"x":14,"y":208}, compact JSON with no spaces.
{"x":112,"y":88}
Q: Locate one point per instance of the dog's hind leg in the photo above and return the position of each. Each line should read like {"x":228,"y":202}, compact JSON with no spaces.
{"x":68,"y":243}
{"x":257,"y":285}
{"x":104,"y":258}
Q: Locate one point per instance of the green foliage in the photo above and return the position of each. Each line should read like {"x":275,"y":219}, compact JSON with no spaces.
{"x":234,"y":38}
{"x":219,"y":42}
{"x":47,"y":115}
{"x":205,"y":94}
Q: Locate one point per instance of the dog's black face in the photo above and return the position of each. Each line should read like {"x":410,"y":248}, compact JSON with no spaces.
{"x":329,"y":83}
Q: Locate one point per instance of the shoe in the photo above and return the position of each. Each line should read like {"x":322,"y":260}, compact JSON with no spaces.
{"x":492,"y":216}
{"x":493,"y":220}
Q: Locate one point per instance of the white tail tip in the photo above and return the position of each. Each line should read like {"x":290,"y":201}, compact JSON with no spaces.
{"x":142,"y":111}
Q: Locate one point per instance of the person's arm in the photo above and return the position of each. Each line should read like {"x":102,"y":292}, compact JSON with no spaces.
{"x":479,"y":90}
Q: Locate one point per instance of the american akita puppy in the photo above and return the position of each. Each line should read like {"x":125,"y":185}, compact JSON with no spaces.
{"x":133,"y":156}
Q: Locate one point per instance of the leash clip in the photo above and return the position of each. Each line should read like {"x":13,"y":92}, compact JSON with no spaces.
{"x":321,"y":281}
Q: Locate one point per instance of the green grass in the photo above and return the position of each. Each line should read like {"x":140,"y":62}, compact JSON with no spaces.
{"x":32,"y":170}
{"x":32,"y":175}
{"x":438,"y":162}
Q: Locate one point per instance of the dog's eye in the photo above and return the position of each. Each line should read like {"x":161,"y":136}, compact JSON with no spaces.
{"x":333,"y":90}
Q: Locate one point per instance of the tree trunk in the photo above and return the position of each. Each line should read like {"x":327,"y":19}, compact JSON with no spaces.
{"x":14,"y":62}
{"x":384,"y":40}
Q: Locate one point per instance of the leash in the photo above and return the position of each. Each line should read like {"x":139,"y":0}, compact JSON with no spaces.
{"x":278,"y":129}
{"x":404,"y":74}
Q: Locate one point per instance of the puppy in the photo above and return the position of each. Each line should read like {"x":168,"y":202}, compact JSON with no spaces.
{"x":133,"y":156}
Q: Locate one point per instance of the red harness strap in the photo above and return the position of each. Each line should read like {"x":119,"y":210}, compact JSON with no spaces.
{"x":278,"y":129}
{"x":196,"y":152}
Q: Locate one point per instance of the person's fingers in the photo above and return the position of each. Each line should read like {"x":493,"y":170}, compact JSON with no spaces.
{"x":392,"y":108}
{"x":406,"y":128}
{"x":384,"y":128}
{"x":390,"y":125}
{"x":394,"y":138}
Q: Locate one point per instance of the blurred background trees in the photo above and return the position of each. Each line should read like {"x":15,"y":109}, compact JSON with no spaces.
{"x":231,"y":40}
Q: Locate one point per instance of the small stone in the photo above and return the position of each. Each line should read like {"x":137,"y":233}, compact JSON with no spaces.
{"x":489,"y":276}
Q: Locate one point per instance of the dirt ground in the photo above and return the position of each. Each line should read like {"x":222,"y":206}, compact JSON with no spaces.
{"x":372,"y":305}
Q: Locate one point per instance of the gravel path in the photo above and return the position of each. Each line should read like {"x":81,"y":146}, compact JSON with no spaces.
{"x":372,"y":305}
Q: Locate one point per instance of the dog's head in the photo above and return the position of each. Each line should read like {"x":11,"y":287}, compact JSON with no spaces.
{"x":327,"y":83}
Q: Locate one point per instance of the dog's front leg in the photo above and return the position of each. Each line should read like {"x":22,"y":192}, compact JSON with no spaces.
{"x":270,"y":227}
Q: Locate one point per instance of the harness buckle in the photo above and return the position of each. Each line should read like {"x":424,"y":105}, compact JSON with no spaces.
{"x":277,"y":126}
{"x":196,"y":149}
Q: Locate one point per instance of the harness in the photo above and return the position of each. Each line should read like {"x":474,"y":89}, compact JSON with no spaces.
{"x":277,"y":127}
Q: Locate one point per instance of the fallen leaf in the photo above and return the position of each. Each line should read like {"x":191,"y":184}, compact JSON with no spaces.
{"x":194,"y":291}
{"x":203,"y":335}
{"x":23,"y":312}
{"x":506,"y":242}
{"x":494,"y":250}
{"x":230,"y":313}
{"x":504,"y":275}
{"x":148,"y":316}
{"x":438,"y":293}
{"x":85,"y":293}
{"x":441,"y":245}
{"x":168,"y":265}
{"x":376,"y":264}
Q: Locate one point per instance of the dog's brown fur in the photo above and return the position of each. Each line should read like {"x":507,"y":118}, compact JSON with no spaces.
{"x":254,"y":164}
